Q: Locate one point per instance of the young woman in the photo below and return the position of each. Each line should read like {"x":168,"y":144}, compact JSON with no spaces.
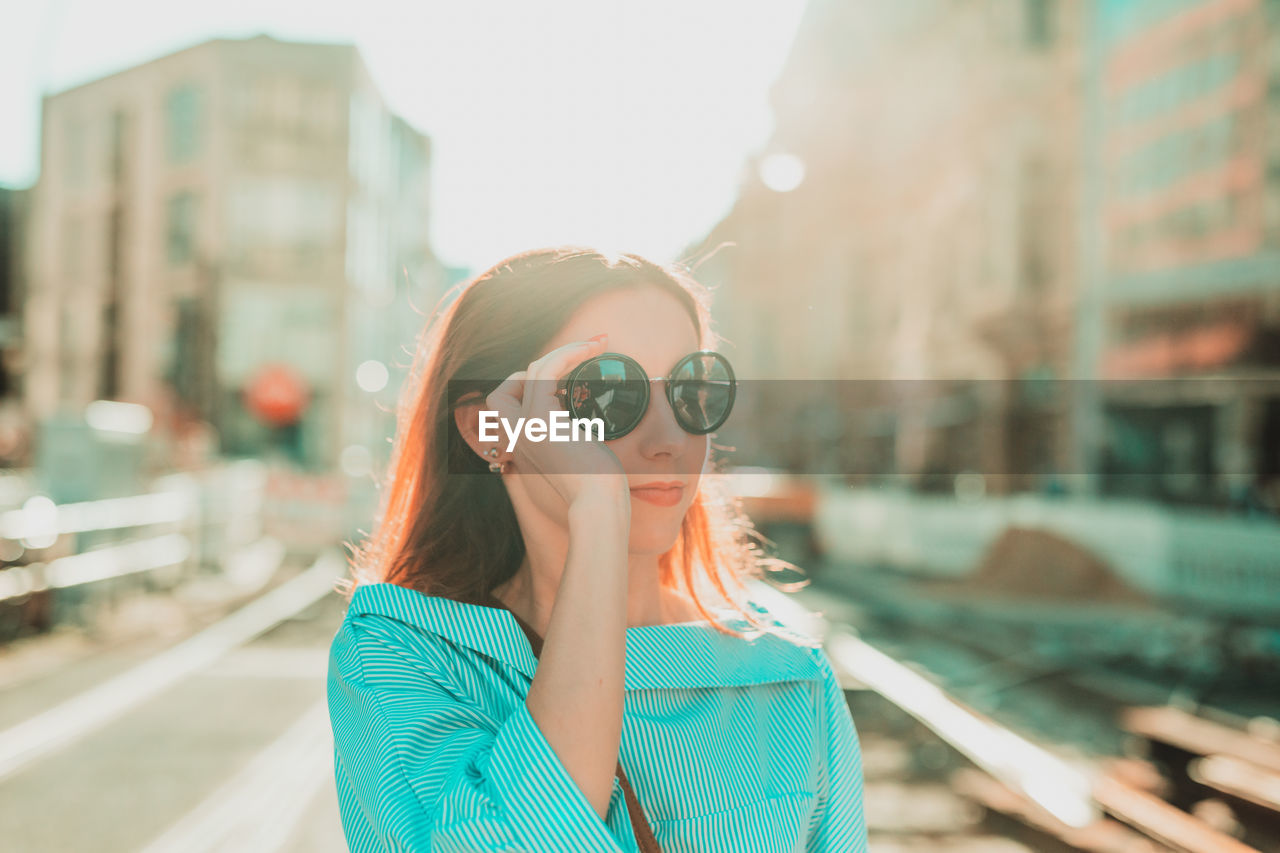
{"x":617,"y":558}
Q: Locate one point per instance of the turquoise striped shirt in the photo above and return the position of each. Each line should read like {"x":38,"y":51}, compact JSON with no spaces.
{"x":730,"y":744}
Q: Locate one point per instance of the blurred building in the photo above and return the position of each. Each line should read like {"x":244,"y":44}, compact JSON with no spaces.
{"x":913,"y":223}
{"x":1187,"y":98}
{"x":230,"y":235}
{"x":13,"y":226}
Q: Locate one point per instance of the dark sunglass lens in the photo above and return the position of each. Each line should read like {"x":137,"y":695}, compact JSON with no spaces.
{"x":702,"y":391}
{"x":613,"y":390}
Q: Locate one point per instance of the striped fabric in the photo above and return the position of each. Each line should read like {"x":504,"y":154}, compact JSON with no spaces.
{"x":730,"y":744}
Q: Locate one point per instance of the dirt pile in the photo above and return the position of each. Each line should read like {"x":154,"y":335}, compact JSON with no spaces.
{"x":1028,"y":563}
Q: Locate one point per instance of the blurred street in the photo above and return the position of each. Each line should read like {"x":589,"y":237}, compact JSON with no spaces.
{"x":237,"y":754}
{"x":229,"y":748}
{"x":234,"y":755}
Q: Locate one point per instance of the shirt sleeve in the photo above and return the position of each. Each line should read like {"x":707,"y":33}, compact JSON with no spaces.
{"x":838,"y":822}
{"x":420,"y":768}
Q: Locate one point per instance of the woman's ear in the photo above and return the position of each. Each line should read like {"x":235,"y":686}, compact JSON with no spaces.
{"x":466,"y":415}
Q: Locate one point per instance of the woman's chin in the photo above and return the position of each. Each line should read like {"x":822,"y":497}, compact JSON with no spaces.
{"x":648,"y":540}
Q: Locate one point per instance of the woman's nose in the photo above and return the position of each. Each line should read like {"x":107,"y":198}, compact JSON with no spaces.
{"x":659,"y":431}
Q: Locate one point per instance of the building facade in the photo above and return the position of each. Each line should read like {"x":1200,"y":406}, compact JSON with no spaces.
{"x":14,"y":437}
{"x":925,"y":260}
{"x":1187,"y":99}
{"x":225,"y":235}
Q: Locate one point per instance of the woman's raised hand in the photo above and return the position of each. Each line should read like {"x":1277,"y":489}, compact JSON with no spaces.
{"x":575,"y":469}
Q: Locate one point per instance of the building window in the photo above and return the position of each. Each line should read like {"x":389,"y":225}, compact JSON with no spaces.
{"x":321,"y":110}
{"x":1271,"y":207}
{"x":117,"y":147}
{"x":73,"y":250}
{"x":180,"y":236}
{"x":301,"y":216}
{"x":1039,"y":22}
{"x":182,"y":120}
{"x":75,"y":150}
{"x":66,"y":355}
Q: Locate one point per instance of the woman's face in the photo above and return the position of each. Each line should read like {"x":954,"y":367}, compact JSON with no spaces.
{"x":655,"y":329}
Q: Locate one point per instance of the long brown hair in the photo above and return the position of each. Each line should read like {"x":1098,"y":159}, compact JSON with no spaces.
{"x":457,"y":536}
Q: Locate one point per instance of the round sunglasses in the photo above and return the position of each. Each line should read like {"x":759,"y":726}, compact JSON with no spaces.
{"x":614,"y":387}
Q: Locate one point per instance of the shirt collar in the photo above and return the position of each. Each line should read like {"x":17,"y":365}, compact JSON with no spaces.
{"x":658,"y":656}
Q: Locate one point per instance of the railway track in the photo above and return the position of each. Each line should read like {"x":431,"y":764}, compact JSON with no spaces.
{"x":1055,"y":759}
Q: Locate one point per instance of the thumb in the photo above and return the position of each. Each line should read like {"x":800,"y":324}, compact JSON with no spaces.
{"x":508,"y":397}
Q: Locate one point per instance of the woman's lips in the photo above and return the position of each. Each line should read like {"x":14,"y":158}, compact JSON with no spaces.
{"x":660,"y":495}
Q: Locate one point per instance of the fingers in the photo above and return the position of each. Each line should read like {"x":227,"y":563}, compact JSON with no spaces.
{"x":544,"y":373}
{"x":508,"y":397}
{"x":559,"y":361}
{"x":513,"y":398}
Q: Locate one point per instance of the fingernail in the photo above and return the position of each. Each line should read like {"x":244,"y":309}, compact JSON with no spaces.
{"x":598,"y":338}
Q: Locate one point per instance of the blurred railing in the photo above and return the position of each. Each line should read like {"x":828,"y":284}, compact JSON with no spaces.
{"x":93,"y":551}
{"x":1221,"y":564}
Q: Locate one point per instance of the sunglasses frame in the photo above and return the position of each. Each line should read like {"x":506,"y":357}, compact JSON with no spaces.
{"x":562,"y":391}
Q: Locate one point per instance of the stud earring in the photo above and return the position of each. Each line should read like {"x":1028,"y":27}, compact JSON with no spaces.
{"x":495,"y":467}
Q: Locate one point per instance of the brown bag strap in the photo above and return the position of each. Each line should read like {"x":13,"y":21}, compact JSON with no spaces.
{"x":639,"y":823}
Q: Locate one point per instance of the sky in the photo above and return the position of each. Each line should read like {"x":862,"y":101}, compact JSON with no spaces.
{"x":622,"y":124}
